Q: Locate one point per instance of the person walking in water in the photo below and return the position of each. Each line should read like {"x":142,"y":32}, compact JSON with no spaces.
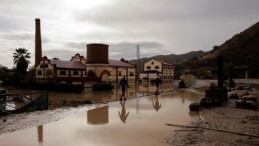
{"x":157,"y":82}
{"x":123,"y":84}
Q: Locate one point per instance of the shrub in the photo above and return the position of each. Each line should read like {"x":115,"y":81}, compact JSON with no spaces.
{"x":100,"y":86}
{"x":52,"y":86}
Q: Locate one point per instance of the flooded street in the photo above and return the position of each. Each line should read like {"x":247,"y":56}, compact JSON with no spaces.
{"x":136,"y":121}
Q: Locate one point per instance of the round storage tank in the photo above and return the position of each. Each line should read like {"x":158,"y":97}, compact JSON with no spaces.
{"x":97,"y":54}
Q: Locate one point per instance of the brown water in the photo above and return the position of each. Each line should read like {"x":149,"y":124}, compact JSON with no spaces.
{"x":137,"y":121}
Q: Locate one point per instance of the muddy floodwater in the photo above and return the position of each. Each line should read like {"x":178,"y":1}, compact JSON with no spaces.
{"x":135,"y":122}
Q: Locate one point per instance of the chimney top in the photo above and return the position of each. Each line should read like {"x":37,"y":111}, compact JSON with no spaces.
{"x":37,"y":20}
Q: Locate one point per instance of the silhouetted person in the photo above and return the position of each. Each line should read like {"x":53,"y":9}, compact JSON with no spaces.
{"x":123,"y":84}
{"x":157,"y":83}
{"x":156,"y":103}
{"x":122,"y":114}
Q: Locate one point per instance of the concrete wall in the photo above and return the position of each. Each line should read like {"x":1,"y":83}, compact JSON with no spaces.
{"x":166,"y":71}
{"x":97,"y":68}
{"x":46,"y":70}
{"x":129,"y":73}
{"x":78,"y":58}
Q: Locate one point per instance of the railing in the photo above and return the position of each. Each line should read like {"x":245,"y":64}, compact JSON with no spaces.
{"x":11,"y":103}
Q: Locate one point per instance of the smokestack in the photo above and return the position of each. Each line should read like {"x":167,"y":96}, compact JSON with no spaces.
{"x":38,"y":54}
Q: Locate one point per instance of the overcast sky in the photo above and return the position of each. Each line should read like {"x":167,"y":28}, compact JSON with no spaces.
{"x":160,"y":27}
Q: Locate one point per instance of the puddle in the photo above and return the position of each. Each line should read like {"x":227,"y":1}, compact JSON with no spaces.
{"x":136,"y":121}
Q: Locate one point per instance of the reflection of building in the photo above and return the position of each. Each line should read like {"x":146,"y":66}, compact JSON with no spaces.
{"x":154,"y":68}
{"x":97,"y":66}
{"x":148,"y":88}
{"x":98,"y":116}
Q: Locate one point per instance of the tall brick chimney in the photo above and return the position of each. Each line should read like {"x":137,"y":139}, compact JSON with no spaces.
{"x":38,"y":51}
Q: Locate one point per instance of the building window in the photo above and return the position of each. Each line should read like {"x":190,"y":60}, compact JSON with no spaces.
{"x":62,"y":72}
{"x":131,"y":74}
{"x":109,"y":73}
{"x":91,"y":74}
{"x":44,"y":66}
{"x":75,"y":72}
{"x":152,"y":62}
{"x":156,"y":67}
{"x":39,"y":73}
{"x":48,"y":72}
{"x":119,"y":73}
{"x":148,"y":67}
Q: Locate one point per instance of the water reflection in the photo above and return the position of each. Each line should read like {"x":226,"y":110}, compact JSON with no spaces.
{"x":123,"y":116}
{"x":40,"y":133}
{"x":149,"y":126}
{"x":149,"y":89}
{"x":188,"y":95}
{"x":156,"y":104}
{"x":98,"y":115}
{"x":58,"y":100}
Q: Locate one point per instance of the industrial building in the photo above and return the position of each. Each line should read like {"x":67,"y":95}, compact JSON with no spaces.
{"x":155,"y":68}
{"x":95,"y":67}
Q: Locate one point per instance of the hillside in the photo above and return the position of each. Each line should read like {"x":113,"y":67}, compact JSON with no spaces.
{"x":172,"y":58}
{"x":241,"y":49}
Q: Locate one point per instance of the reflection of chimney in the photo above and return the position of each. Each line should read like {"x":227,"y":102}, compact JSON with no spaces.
{"x":38,"y":54}
{"x":40,"y":133}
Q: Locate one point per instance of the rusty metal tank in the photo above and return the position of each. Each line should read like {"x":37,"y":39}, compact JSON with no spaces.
{"x":97,"y":54}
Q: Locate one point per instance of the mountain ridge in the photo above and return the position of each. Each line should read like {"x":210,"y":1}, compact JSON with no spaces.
{"x":172,"y":58}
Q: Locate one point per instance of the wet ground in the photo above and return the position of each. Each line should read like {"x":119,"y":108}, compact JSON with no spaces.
{"x":136,"y":121}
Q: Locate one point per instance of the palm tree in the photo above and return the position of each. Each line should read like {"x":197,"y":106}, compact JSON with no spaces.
{"x":20,"y":58}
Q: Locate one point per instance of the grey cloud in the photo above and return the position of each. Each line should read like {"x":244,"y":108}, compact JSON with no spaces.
{"x":119,"y":50}
{"x":131,"y":45}
{"x":63,"y":54}
{"x":143,"y":13}
{"x":17,"y":36}
{"x":159,"y":27}
{"x":128,"y":50}
{"x":76,"y":45}
{"x":22,"y":37}
{"x":182,"y":25}
{"x":7,"y":25}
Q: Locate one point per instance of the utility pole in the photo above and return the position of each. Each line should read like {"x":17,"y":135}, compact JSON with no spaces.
{"x":137,"y":78}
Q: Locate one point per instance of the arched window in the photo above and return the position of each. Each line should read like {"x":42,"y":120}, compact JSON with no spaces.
{"x":91,"y":74}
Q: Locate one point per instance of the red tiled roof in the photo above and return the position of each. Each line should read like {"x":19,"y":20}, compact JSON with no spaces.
{"x":166,"y":63}
{"x":79,"y":65}
{"x":119,"y":63}
{"x":163,"y":62}
{"x":68,"y":64}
